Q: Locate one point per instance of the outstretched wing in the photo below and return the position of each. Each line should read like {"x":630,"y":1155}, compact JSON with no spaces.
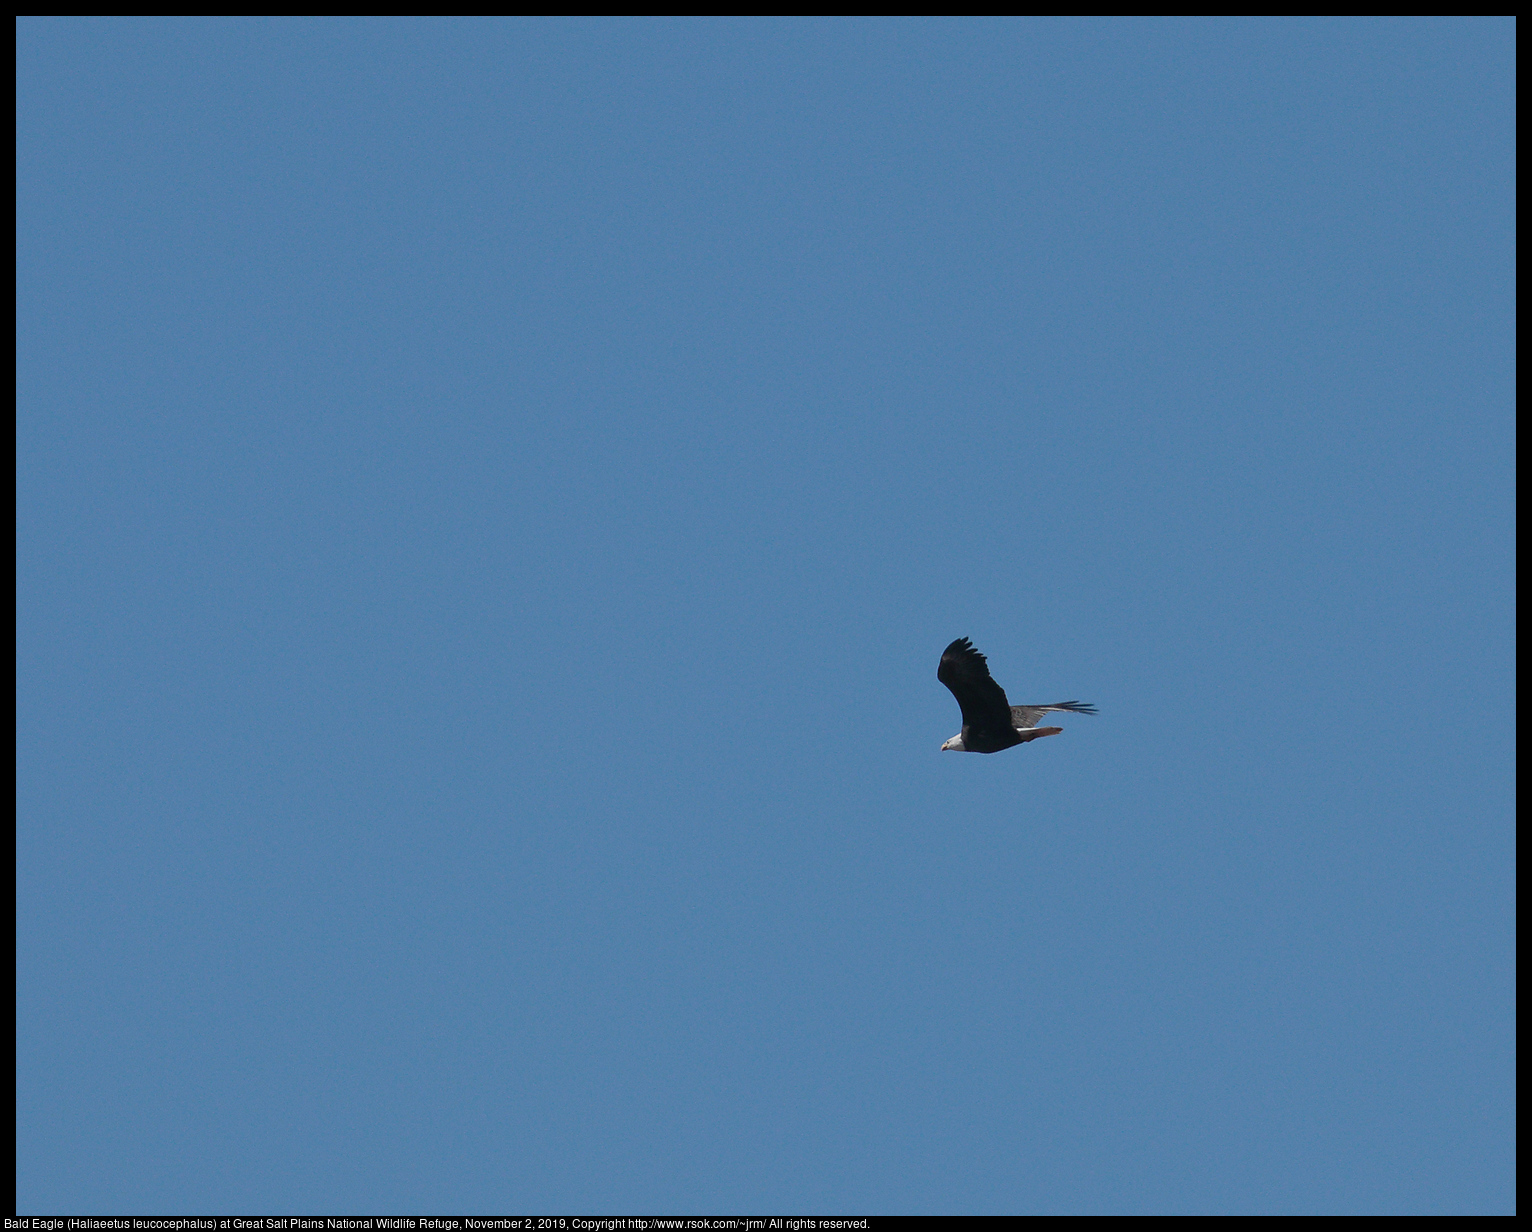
{"x":964,"y":671}
{"x":1023,"y":717}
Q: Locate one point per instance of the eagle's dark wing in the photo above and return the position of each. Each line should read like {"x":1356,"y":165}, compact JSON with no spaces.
{"x":964,"y":671}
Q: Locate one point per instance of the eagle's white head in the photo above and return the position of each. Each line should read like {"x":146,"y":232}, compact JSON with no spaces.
{"x":955,"y":745}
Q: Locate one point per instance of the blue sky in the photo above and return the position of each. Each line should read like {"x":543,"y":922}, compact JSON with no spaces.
{"x":492,"y":496}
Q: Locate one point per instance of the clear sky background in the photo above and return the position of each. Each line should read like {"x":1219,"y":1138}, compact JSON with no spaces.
{"x":492,"y":496}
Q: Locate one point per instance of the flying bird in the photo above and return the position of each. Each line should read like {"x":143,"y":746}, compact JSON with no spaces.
{"x":990,"y":723}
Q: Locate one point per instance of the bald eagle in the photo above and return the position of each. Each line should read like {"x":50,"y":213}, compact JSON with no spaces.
{"x":990,"y":723}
